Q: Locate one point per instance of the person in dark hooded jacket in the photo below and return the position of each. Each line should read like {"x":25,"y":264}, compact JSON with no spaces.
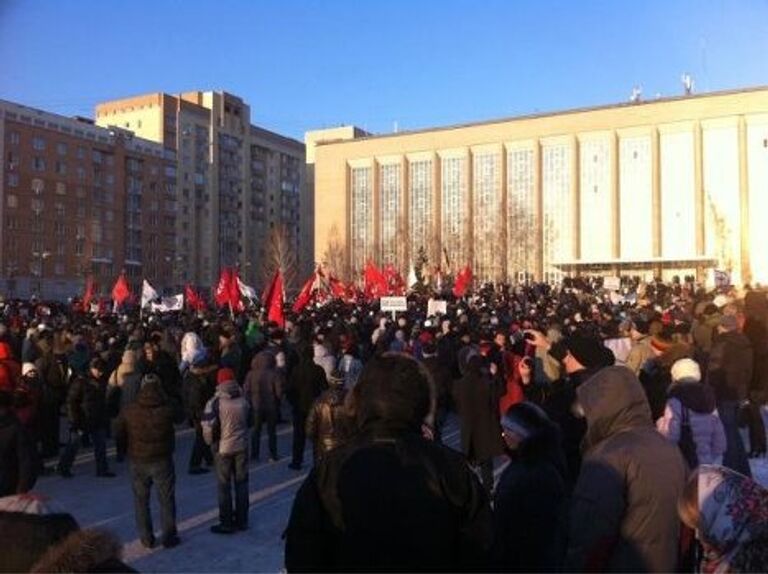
{"x":17,"y":457}
{"x":198,"y":388}
{"x":305,"y":383}
{"x":390,"y":500}
{"x":623,"y":512}
{"x":264,"y":386}
{"x":530,"y":502}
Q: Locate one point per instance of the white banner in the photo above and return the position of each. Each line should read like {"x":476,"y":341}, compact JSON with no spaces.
{"x":168,"y":304}
{"x":394,"y":304}
{"x":612,"y":283}
{"x":436,"y":307}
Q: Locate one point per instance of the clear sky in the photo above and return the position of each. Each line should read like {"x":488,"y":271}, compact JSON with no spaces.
{"x":306,"y":65}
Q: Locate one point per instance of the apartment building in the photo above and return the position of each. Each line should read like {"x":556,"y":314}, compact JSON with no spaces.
{"x":77,"y":200}
{"x":236,"y":182}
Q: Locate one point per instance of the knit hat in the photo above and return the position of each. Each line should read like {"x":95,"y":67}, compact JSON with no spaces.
{"x":225,"y":375}
{"x":589,"y":351}
{"x":685,"y":370}
{"x":524,"y":420}
{"x":27,"y":368}
{"x":729,"y":322}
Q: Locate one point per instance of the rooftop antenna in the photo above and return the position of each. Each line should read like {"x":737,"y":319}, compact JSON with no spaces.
{"x":637,"y":94}
{"x":687,"y":81}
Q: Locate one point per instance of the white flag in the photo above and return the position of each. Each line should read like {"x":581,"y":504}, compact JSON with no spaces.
{"x":245,"y":290}
{"x":412,"y":280}
{"x":168,"y":304}
{"x":148,"y":293}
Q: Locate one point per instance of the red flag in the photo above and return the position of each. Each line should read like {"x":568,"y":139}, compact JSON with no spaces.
{"x":338,"y":289}
{"x":234,"y":291}
{"x":305,"y":295}
{"x":88,"y":295}
{"x":375,"y":282}
{"x":463,"y":279}
{"x":121,"y":291}
{"x":222,"y":289}
{"x":275,"y":299}
{"x":193,"y":299}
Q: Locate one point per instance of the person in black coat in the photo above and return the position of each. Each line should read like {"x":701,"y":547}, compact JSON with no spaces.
{"x":198,"y":388}
{"x":158,"y":362}
{"x":441,"y":375}
{"x":17,"y":457}
{"x":476,"y":398}
{"x":531,"y":501}
{"x":390,"y":500}
{"x":87,"y":410}
{"x":305,"y":383}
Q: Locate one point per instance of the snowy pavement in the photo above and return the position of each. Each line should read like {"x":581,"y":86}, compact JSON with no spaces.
{"x":108,"y":503}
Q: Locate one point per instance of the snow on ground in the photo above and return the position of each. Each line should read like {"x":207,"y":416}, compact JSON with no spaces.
{"x":108,"y":503}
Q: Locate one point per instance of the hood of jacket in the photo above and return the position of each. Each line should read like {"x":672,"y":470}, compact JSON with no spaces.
{"x":83,"y":551}
{"x":151,"y":395}
{"x":263,"y":360}
{"x":613,"y":401}
{"x":694,"y":396}
{"x":230,"y":390}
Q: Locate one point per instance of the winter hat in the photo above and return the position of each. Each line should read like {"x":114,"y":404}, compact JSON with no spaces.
{"x":225,"y":375}
{"x":686,"y":370}
{"x":27,"y":368}
{"x":524,"y":419}
{"x":589,"y":351}
{"x":729,"y":322}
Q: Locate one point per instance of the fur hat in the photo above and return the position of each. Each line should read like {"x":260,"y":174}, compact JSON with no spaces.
{"x":685,"y":370}
{"x":27,"y":368}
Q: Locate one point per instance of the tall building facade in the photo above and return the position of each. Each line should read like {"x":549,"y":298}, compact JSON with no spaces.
{"x":665,"y":187}
{"x":236,"y":181}
{"x":79,"y":200}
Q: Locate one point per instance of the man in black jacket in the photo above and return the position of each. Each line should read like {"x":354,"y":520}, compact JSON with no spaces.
{"x":87,"y":410}
{"x":17,"y":468}
{"x":390,"y":500}
{"x":199,"y":386}
{"x":305,"y":383}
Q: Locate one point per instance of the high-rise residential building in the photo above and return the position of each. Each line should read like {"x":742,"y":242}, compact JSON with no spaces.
{"x":236,"y":182}
{"x":79,"y":200}
{"x":667,"y":187}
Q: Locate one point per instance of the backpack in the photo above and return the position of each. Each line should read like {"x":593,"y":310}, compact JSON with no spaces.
{"x":686,"y":443}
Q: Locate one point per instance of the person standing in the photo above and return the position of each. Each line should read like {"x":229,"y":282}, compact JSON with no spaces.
{"x":264,"y":386}
{"x":729,"y":373}
{"x":305,"y":384}
{"x":87,"y":411}
{"x":123,"y":388}
{"x":17,"y":458}
{"x":54,"y":392}
{"x":329,"y":424}
{"x":623,"y":511}
{"x":225,"y":429}
{"x":146,"y":427}
{"x":199,"y":386}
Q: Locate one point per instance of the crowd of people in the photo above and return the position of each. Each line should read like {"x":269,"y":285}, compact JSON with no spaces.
{"x":600,"y":430}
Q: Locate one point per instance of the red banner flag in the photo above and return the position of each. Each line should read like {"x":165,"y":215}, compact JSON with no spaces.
{"x":193,"y":299}
{"x":375,"y":282}
{"x":463,"y":280}
{"x":275,"y":299}
{"x":338,"y":289}
{"x":305,"y":295}
{"x":121,"y":292}
{"x":234,"y":291}
{"x":88,"y":295}
{"x":222,"y":289}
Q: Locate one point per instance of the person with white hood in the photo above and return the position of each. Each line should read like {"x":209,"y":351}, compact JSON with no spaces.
{"x":690,"y":415}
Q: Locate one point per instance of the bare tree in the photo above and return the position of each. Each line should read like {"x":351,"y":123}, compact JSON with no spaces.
{"x":335,"y":256}
{"x":280,"y":253}
{"x":722,"y":233}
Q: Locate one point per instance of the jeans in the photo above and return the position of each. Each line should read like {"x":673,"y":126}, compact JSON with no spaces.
{"x":99,"y":438}
{"x":200,"y":451}
{"x":233,"y":468}
{"x":162,"y":474}
{"x":735,"y":456}
{"x":299,"y":437}
{"x":261,"y":417}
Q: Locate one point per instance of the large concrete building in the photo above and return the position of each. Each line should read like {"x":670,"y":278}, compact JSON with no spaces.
{"x":670,"y":186}
{"x":238,"y":184}
{"x":79,"y":200}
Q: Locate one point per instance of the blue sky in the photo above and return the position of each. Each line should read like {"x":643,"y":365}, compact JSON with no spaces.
{"x":306,"y":65}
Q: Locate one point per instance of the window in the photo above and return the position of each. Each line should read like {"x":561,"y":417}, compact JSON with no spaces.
{"x":110,"y":160}
{"x":11,"y":223}
{"x":36,"y":205}
{"x":79,"y":247}
{"x":37,"y":186}
{"x":80,"y":211}
{"x":96,"y":156}
{"x":13,"y":180}
{"x":59,"y":229}
{"x":109,"y":215}
{"x":61,"y":168}
{"x":61,"y":188}
{"x":60,"y":210}
{"x":38,"y":143}
{"x":80,"y":192}
{"x":80,"y":152}
{"x":59,"y":269}
{"x":110,"y":179}
{"x":14,"y":140}
{"x":38,"y":163}
{"x":61,"y":249}
{"x":61,"y":148}
{"x":80,"y":174}
{"x":12,"y":200}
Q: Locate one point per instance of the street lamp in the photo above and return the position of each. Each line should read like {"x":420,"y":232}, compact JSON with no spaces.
{"x":40,"y":257}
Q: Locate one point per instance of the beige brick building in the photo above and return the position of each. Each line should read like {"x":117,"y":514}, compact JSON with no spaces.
{"x":669,"y":186}
{"x":237,"y":182}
